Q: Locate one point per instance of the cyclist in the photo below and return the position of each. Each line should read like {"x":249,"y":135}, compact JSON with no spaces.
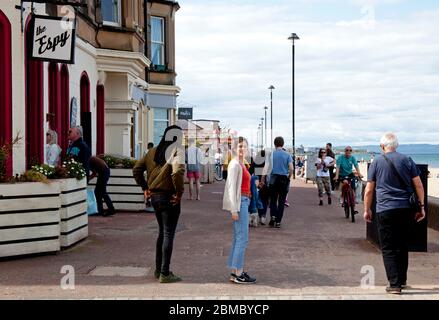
{"x":345,"y":164}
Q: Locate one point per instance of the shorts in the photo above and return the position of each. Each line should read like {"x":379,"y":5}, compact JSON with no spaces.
{"x":193,"y":175}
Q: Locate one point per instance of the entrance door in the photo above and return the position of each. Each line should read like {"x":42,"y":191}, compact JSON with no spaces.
{"x":5,"y":87}
{"x":85,"y":109}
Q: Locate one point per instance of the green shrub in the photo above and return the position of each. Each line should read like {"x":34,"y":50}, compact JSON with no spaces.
{"x":33,"y":176}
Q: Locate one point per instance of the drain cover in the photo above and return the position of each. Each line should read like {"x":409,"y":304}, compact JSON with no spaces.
{"x":119,"y":272}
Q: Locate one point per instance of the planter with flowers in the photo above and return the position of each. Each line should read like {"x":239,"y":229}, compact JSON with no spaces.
{"x":29,"y":211}
{"x":123,"y":190}
{"x":70,"y":178}
{"x":39,"y":207}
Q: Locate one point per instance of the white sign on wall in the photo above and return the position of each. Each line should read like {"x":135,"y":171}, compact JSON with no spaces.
{"x":53,"y":39}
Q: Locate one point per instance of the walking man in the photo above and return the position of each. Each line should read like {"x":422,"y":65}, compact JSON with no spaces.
{"x":281,"y":168}
{"x":395,"y":178}
{"x":330,"y":153}
{"x":100,"y":169}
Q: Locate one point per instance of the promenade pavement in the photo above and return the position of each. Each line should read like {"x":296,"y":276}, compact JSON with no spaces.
{"x":317,"y":254}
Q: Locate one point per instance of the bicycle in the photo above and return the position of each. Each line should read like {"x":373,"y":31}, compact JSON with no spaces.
{"x":218,"y":171}
{"x":348,"y":196}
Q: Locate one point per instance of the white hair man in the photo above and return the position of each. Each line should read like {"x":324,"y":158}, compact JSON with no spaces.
{"x":78,"y":149}
{"x":395,"y":178}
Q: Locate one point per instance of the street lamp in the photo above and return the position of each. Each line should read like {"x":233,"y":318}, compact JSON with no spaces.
{"x":292,"y":38}
{"x":262,"y":133}
{"x":265,"y":108}
{"x":271,"y":88}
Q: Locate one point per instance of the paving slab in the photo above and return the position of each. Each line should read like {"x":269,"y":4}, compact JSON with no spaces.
{"x":317,"y":254}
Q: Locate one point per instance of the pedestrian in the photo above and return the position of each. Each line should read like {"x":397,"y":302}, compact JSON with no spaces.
{"x":194,"y":161}
{"x":78,"y":149}
{"x":256,"y":168}
{"x":281,"y":168}
{"x":99,"y":168}
{"x":394,"y":178}
{"x":53,"y":150}
{"x":330,"y":153}
{"x":164,"y":165}
{"x":236,"y":200}
{"x":323,"y":163}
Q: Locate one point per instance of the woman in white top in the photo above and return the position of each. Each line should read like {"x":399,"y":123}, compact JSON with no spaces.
{"x":237,"y":194}
{"x":53,"y":150}
{"x":323,"y":180}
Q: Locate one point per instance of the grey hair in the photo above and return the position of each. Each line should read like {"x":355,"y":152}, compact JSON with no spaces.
{"x":389,"y":141}
{"x":54,"y":136}
{"x":80,"y":131}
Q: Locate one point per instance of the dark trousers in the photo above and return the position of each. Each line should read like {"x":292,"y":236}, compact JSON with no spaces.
{"x":279,"y":188}
{"x":393,"y":228}
{"x":331,"y":177}
{"x":264,"y":197}
{"x":101,"y":192}
{"x":167,"y":216}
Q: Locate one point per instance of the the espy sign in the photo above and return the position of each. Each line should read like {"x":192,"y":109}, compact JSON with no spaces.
{"x":53,"y":39}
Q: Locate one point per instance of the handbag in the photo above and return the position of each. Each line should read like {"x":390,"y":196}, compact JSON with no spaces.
{"x":413,"y":200}
{"x":92,"y":205}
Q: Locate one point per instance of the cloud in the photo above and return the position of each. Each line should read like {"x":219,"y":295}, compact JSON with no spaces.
{"x":354,"y":80}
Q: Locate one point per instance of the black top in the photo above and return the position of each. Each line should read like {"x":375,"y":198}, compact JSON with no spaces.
{"x":81,"y":153}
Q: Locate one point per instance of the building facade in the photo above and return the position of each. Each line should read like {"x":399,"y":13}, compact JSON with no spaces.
{"x":112,"y":89}
{"x":162,"y":88}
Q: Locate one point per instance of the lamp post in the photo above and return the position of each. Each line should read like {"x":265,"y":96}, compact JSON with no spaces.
{"x":271,"y":88}
{"x":262,"y":133}
{"x":292,"y":38}
{"x":265,"y":108}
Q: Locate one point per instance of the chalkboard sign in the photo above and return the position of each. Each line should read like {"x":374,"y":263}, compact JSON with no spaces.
{"x":73,"y":112}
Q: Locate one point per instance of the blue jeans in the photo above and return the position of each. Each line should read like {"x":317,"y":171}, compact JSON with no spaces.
{"x":240,"y":237}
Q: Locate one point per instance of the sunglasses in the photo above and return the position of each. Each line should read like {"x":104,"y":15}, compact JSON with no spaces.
{"x":348,"y":150}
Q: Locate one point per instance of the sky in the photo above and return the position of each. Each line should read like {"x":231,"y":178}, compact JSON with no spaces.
{"x":362,"y":67}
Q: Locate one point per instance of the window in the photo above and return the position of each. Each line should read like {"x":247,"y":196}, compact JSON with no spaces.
{"x":158,"y":41}
{"x":111,"y":12}
{"x":161,"y":122}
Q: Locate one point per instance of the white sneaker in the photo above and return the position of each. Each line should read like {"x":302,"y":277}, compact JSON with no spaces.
{"x":263,"y":221}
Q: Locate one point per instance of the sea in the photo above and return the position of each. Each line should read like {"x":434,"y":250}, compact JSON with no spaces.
{"x":432,"y":160}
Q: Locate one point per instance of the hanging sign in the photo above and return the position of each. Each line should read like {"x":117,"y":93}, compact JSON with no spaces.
{"x":185,"y":113}
{"x":53,"y":39}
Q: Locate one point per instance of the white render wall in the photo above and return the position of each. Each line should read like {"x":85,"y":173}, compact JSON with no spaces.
{"x":84,"y":61}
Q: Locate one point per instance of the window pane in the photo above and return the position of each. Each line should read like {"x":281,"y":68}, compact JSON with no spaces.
{"x":157,"y":30}
{"x":157,"y":54}
{"x":110,"y":10}
{"x":159,"y":129}
{"x":160,"y":114}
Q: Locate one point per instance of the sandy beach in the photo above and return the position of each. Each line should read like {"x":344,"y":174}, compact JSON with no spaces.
{"x":433,"y":180}
{"x":433,"y":183}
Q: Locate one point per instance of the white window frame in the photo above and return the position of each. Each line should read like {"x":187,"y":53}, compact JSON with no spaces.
{"x":163,"y":38}
{"x":119,"y":16}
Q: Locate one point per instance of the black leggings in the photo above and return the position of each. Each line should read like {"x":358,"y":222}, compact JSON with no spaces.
{"x":167,"y":217}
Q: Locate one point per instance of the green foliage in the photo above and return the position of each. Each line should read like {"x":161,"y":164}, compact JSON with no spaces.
{"x":45,"y":169}
{"x":74,"y":169}
{"x":118,"y":162}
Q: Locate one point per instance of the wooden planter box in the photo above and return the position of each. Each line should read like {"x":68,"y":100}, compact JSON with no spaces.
{"x":124,"y":191}
{"x":29,"y":218}
{"x":73,"y":211}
